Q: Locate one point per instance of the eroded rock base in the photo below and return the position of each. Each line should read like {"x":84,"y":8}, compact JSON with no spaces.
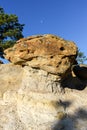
{"x":30,"y":99}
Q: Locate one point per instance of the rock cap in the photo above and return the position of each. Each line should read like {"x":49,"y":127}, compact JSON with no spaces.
{"x":47,"y":52}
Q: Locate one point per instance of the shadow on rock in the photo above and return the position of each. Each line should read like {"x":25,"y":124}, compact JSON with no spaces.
{"x":80,"y":71}
{"x":64,"y":122}
{"x":74,"y":83}
{"x":79,"y":80}
{"x":64,"y":104}
{"x":77,"y":121}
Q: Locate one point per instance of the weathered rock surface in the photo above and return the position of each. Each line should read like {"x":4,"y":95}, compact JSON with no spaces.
{"x":47,"y":52}
{"x":30,"y":99}
{"x":30,"y":89}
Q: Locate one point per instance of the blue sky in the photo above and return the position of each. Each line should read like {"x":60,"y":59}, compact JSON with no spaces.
{"x":65,"y":18}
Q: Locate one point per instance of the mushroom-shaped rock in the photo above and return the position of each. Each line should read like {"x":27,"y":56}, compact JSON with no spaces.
{"x":47,"y":52}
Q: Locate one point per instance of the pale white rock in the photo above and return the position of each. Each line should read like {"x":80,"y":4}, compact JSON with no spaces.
{"x":31,"y":100}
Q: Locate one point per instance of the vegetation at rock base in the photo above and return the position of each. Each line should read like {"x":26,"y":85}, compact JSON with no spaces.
{"x":10,"y":29}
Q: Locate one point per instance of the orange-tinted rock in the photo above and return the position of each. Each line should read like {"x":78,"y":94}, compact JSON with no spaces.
{"x":47,"y":52}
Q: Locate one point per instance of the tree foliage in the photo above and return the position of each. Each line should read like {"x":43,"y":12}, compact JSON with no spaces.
{"x":81,"y":58}
{"x":10,"y":29}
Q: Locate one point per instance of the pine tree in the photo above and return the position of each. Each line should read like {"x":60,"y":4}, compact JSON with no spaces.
{"x":10,"y":29}
{"x":81,"y":58}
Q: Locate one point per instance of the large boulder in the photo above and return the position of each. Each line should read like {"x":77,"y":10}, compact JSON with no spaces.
{"x":47,"y":52}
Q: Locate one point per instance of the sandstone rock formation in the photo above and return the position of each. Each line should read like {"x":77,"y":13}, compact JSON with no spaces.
{"x":47,"y":52}
{"x":30,"y":96}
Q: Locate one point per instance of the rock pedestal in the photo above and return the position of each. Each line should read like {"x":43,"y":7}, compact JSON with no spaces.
{"x":30,"y":99}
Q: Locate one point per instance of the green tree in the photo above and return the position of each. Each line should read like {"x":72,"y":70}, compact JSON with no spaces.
{"x":81,"y":58}
{"x":10,"y":29}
